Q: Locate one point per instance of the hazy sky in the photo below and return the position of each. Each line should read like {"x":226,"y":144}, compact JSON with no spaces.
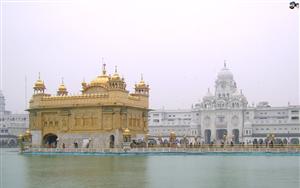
{"x":179,"y":46}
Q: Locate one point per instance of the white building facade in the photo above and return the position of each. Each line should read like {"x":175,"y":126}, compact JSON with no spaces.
{"x":225,"y":116}
{"x":11,"y":125}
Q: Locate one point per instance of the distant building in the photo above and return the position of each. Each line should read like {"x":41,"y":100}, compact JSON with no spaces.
{"x":181,"y":122}
{"x":225,"y":116}
{"x":11,"y":125}
{"x":98,"y":117}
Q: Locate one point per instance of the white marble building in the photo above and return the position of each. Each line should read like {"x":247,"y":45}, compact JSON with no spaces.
{"x":182,"y":122}
{"x":11,"y":125}
{"x":226,"y":116}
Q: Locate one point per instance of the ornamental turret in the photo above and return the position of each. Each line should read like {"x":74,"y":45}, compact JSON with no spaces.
{"x":39,"y":86}
{"x":2,"y":103}
{"x":142,"y":88}
{"x":62,"y":90}
{"x":84,"y":85}
{"x":116,"y":82}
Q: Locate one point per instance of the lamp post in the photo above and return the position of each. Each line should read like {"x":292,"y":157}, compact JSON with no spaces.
{"x":21,"y":142}
{"x":127,"y":136}
{"x":172,"y":138}
{"x":57,"y":142}
{"x":160,"y":139}
{"x":273,"y":139}
{"x":185,"y":141}
{"x":25,"y":140}
{"x":89,"y":144}
{"x":126,"y":139}
{"x":224,"y":140}
{"x":146,"y":139}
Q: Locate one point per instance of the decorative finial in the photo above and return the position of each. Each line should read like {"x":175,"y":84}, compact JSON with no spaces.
{"x":103,"y":67}
{"x":116,"y":69}
{"x":39,"y":75}
{"x":225,"y":64}
{"x":142,"y":78}
{"x":62,"y":80}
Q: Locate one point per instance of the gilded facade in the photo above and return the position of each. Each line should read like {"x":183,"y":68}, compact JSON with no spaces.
{"x":96,"y":118}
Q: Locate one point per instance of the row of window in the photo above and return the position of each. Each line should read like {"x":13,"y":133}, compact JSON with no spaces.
{"x":271,"y":121}
{"x":233,"y":105}
{"x":12,"y":119}
{"x":262,"y":129}
{"x":167,"y":131}
{"x":280,"y":113}
{"x":4,"y":131}
{"x":164,"y":130}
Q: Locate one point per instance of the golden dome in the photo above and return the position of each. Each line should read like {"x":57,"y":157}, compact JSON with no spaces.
{"x":116,"y":76}
{"x":39,"y":84}
{"x":141,"y":83}
{"x":62,"y":87}
{"x":62,"y":90}
{"x":102,"y":79}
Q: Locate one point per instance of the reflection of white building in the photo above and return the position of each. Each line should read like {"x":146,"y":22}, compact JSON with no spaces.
{"x":11,"y":125}
{"x":226,"y":116}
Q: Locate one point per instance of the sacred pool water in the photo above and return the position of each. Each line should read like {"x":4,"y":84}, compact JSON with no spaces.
{"x":211,"y":171}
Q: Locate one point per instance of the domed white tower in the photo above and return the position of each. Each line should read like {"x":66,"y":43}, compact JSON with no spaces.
{"x":225,"y":85}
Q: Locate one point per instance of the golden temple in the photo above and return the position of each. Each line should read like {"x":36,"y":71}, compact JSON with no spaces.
{"x":96,"y":118}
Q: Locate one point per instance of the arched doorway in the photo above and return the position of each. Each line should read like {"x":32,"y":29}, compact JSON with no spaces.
{"x":236,"y":134}
{"x":112,"y":141}
{"x":221,"y":133}
{"x":50,"y":140}
{"x":278,"y":141}
{"x":295,"y":141}
{"x":207,"y":136}
{"x":255,"y":142}
{"x":12,"y":143}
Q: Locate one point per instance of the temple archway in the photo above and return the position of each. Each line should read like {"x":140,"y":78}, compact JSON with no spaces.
{"x":207,"y":136}
{"x":12,"y":142}
{"x":50,"y":140}
{"x":295,"y":141}
{"x":236,"y":134}
{"x":221,"y":133}
{"x":112,"y":141}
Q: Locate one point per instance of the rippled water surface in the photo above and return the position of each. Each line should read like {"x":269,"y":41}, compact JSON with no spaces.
{"x":209,"y":171}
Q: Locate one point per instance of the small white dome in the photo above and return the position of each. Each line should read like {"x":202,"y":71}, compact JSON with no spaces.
{"x":236,"y":93}
{"x":225,"y":73}
{"x":208,"y":95}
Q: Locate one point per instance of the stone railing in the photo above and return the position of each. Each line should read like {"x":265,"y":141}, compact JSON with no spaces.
{"x":201,"y":149}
